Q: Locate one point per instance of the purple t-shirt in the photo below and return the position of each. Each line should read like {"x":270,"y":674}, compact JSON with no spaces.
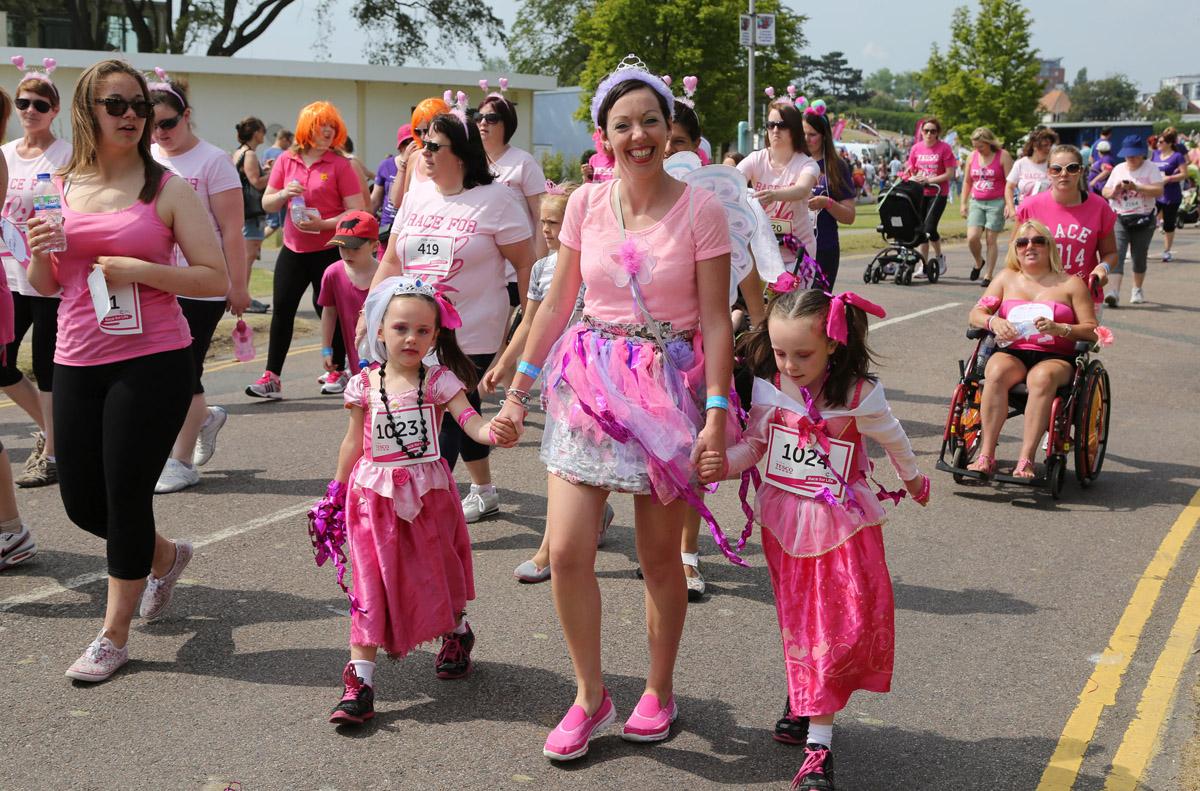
{"x":1098,"y":164}
{"x":827,"y":227}
{"x":1172,"y":191}
{"x":385,"y":174}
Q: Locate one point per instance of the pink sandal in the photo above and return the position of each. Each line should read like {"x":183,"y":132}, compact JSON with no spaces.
{"x":984,"y":465}
{"x":1024,"y":466}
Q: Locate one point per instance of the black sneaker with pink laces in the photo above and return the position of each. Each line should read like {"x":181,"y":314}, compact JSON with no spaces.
{"x":454,"y":660}
{"x":816,"y":773}
{"x":358,"y":700}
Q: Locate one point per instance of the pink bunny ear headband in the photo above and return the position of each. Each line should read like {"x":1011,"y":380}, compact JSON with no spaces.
{"x":164,"y":85}
{"x":48,"y":64}
{"x":489,"y":93}
{"x":458,"y":107}
{"x":690,"y":82}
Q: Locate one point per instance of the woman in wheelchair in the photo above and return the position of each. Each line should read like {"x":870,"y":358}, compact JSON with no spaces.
{"x":1037,"y":313}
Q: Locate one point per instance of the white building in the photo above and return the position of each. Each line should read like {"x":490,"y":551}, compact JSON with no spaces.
{"x":373,"y":100}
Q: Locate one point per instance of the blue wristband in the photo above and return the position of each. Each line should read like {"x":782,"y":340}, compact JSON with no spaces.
{"x":716,"y":402}
{"x":326,"y":351}
{"x":529,"y":369}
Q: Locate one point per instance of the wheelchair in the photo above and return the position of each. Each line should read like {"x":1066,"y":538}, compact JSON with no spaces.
{"x":1079,"y":417}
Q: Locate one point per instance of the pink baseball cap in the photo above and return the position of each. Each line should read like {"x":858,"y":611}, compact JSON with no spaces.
{"x":402,"y":134}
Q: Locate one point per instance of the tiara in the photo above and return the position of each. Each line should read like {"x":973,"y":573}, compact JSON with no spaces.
{"x":413,"y":285}
{"x":631,"y":67}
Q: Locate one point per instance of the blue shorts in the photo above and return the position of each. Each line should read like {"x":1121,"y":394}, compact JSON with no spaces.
{"x":252,"y":229}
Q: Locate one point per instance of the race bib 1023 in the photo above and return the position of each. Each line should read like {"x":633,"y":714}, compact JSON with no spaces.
{"x":391,"y":438}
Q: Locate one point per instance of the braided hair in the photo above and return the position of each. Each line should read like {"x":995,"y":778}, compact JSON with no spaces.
{"x":387,"y":408}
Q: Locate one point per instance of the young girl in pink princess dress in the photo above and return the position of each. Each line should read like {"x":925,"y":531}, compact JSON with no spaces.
{"x":394,"y":496}
{"x":814,"y":404}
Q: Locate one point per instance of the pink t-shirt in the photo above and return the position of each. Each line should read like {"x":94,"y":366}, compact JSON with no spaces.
{"x":210,"y":172}
{"x":521,"y":173}
{"x":933,"y":161}
{"x":138,"y":232}
{"x":327,"y":184}
{"x":987,"y":181}
{"x":456,"y":238}
{"x":786,"y":216}
{"x":18,"y":202}
{"x":1077,"y":229}
{"x":339,"y":292}
{"x":1029,"y":177}
{"x":1131,"y":201}
{"x":604,"y":168}
{"x":695,"y":229}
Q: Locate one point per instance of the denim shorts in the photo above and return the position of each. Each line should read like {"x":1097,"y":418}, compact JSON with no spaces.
{"x":986,"y":214}
{"x":252,"y":228}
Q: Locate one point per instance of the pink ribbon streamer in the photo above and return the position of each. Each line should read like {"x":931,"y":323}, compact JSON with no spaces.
{"x":327,"y":531}
{"x":835,"y":325}
{"x":449,"y":315}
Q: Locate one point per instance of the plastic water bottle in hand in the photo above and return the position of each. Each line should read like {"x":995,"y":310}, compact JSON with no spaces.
{"x":298,"y":208}
{"x":243,"y":341}
{"x":47,"y":207}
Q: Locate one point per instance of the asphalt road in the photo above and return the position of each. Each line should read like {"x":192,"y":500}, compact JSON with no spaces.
{"x":1006,"y":603}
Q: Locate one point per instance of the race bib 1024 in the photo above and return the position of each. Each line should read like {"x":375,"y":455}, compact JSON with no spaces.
{"x":389,"y":442}
{"x":800,"y":469}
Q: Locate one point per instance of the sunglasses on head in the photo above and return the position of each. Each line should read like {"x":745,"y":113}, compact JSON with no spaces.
{"x":433,"y":147}
{"x":117,"y":106}
{"x":1024,"y":241}
{"x":491,"y":118}
{"x":1072,"y":168}
{"x":41,"y":105}
{"x":776,"y":125}
{"x":419,"y":133}
{"x":167,"y":124}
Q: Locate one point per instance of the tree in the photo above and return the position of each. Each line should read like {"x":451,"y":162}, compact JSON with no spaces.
{"x":988,"y":74}
{"x":543,"y":39}
{"x":831,"y":78}
{"x":1081,"y":76}
{"x":1167,"y":101}
{"x":1109,"y":99}
{"x":880,"y":81}
{"x":681,"y":37}
{"x":403,"y":25}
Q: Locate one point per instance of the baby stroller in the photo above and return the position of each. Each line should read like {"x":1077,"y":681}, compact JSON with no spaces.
{"x":902,"y":225}
{"x":1189,"y":210}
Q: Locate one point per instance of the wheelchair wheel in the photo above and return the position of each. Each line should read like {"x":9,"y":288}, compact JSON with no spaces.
{"x":1056,"y":469}
{"x":1091,"y":424}
{"x":967,"y":432}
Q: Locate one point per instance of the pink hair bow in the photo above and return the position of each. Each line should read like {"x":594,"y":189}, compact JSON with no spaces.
{"x":450,"y":318}
{"x":835,"y":325}
{"x":554,"y":189}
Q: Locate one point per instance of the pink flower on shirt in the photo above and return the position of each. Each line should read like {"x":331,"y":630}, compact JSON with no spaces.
{"x":621,"y":259}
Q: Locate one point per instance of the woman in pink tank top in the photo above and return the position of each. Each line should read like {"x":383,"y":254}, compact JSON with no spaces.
{"x":123,"y":372}
{"x":1035,"y":345}
{"x":983,"y":199}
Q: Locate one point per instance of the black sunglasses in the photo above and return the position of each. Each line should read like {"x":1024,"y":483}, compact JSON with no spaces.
{"x":929,"y":130}
{"x":776,"y":125}
{"x":491,"y":118}
{"x":1072,"y":168}
{"x":1024,"y":241}
{"x":41,"y":105}
{"x":419,"y":133}
{"x":433,"y":147}
{"x":167,"y":124}
{"x":117,"y":106}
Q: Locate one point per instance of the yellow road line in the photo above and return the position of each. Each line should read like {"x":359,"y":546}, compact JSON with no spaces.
{"x":1141,"y":738}
{"x":1101,"y":688}
{"x":218,"y":367}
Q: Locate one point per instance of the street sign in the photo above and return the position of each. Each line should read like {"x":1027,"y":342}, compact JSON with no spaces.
{"x":746,"y":30}
{"x":764,"y":30}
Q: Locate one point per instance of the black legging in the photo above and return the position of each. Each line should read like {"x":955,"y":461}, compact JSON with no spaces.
{"x":932,"y":207}
{"x":295,"y":272}
{"x":828,"y":259}
{"x":452,"y":438}
{"x":114,"y":427}
{"x":42,"y":314}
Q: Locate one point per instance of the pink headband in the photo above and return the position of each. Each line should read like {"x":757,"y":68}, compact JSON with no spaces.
{"x":554,"y":189}
{"x":835,"y":325}
{"x":164,"y":85}
{"x":818,"y":107}
{"x":49,"y":64}
{"x":458,"y":108}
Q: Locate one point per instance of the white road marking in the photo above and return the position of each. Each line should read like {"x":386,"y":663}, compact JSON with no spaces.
{"x":918,"y":314}
{"x":46,"y":591}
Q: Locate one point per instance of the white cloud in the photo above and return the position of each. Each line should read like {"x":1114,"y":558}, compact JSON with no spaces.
{"x":873,"y":51}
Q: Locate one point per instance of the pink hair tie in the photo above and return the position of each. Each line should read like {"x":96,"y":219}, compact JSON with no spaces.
{"x":835,"y":326}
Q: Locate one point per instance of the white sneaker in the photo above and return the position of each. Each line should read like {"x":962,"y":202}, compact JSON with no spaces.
{"x":1166,"y":256}
{"x":206,"y":442}
{"x":335,"y":382}
{"x":941,"y":262}
{"x":176,"y":476}
{"x":1138,"y":297}
{"x":99,"y":661}
{"x":479,"y":504}
{"x":16,"y":548}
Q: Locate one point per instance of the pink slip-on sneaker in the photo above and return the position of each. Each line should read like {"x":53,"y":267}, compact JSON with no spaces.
{"x":650,"y":721}
{"x":570,"y":738}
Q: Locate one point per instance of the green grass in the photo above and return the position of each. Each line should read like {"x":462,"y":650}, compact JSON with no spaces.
{"x":861,"y":236}
{"x":261,"y":283}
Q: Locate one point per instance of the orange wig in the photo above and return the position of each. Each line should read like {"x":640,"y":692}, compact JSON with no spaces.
{"x":425,"y":112}
{"x":312,"y":118}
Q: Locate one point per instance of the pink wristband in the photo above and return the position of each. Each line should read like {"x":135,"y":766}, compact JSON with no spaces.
{"x":466,"y":415}
{"x":923,"y":495}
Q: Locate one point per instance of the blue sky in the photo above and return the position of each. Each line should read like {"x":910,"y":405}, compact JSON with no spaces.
{"x":873,"y":34}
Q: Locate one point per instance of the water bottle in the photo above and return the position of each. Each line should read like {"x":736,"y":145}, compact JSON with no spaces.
{"x":47,"y":207}
{"x":985,"y":351}
{"x":243,"y":341}
{"x":299,"y":209}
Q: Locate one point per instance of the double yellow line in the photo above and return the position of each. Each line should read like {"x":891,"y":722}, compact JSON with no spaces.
{"x":1100,"y":691}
